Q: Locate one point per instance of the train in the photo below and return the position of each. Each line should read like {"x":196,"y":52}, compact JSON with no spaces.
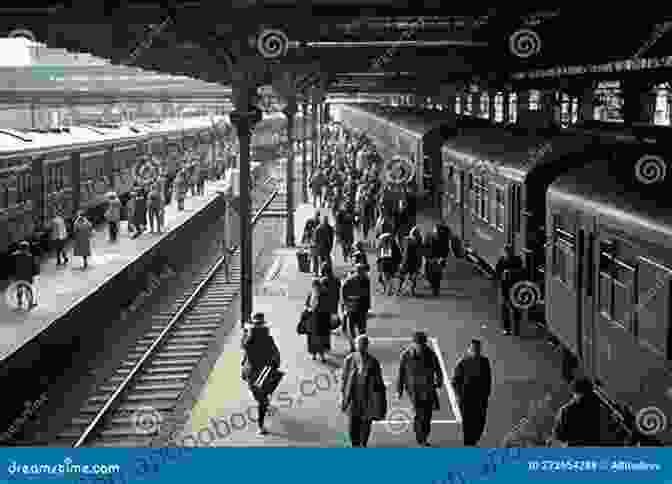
{"x":73,"y":169}
{"x":593,"y":230}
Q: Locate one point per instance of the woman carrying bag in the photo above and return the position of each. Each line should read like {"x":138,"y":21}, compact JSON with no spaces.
{"x":318,"y":327}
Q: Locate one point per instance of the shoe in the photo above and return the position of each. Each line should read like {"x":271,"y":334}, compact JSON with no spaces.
{"x":262,"y":431}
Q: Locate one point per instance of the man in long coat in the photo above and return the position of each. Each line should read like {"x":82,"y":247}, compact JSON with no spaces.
{"x":472,"y":382}
{"x":420,"y":376}
{"x":363,"y":394}
{"x":324,"y":240}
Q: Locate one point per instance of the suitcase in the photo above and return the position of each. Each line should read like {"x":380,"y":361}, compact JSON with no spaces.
{"x":303,"y":259}
{"x":268,"y":380}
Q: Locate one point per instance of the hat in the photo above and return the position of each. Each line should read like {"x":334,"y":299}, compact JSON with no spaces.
{"x":258,"y":319}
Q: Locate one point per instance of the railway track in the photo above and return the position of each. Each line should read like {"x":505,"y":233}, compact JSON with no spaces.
{"x":148,"y":384}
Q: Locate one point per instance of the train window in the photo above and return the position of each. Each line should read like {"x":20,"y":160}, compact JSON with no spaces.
{"x":469,"y":107}
{"x":653,"y":288}
{"x":500,"y":208}
{"x":515,"y":208}
{"x":485,"y":200}
{"x":458,"y":104}
{"x":564,"y":255}
{"x":457,"y":177}
{"x":3,"y":195}
{"x":485,"y":106}
{"x":499,"y":107}
{"x":606,"y":302}
{"x":534,"y":100}
{"x":513,"y":107}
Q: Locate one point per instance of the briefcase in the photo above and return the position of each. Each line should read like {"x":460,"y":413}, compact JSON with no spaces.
{"x":268,"y":380}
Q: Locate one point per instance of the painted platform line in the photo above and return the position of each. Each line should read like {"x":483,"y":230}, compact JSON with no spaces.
{"x":446,"y":381}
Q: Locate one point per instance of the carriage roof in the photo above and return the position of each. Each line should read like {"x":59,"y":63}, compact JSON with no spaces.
{"x":613,"y":193}
{"x":17,"y":143}
{"x":511,"y":155}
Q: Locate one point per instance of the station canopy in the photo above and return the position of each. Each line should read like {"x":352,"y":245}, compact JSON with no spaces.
{"x":350,"y":46}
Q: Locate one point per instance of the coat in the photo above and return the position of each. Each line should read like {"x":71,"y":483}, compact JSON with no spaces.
{"x":319,"y":324}
{"x":472,"y":380}
{"x":260,"y":351}
{"x":308,"y":231}
{"x":345,"y":226}
{"x":140,"y":212}
{"x":333,"y":294}
{"x":113,"y":213}
{"x":420,"y":375}
{"x":82,"y":231}
{"x":357,"y":287}
{"x":367,"y":401}
{"x":324,"y":239}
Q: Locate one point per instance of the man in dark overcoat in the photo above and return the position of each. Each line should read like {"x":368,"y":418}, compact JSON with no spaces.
{"x":309,"y":239}
{"x":420,"y":376}
{"x":324,"y":240}
{"x":472,"y":382}
{"x":507,"y":272}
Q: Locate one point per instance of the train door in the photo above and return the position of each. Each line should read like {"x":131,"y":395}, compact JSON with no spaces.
{"x":587,"y":271}
{"x":514,"y":216}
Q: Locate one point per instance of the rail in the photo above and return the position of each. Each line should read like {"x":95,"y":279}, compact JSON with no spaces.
{"x":180,"y":312}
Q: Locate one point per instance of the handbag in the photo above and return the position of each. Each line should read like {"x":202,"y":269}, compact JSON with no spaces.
{"x":268,"y":380}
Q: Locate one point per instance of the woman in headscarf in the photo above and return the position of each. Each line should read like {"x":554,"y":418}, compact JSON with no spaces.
{"x":319,"y":326}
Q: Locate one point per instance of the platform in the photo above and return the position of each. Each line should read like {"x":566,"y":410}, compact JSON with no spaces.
{"x":305,"y":404}
{"x":60,"y":287}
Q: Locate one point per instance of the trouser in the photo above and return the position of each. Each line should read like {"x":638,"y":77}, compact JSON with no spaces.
{"x":355,"y":324}
{"x":180,"y":203}
{"x":154,"y":218}
{"x":422,"y":423}
{"x":262,"y":406}
{"x":60,"y":251}
{"x":360,"y":431}
{"x":201,"y":187}
{"x":113,"y":229}
{"x":473,"y":422}
{"x":511,"y":317}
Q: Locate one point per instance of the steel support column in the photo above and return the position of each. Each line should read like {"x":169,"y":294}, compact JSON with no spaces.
{"x":304,"y":149}
{"x":290,"y":113}
{"x":314,"y":161}
{"x":244,"y":122}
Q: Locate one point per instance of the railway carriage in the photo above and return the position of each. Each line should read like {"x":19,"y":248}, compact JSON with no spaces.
{"x":73,"y":169}
{"x":398,"y":132}
{"x":609,"y":290}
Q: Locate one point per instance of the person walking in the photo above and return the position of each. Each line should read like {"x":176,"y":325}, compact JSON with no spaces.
{"x":578,"y":421}
{"x":388,"y":261}
{"x":472,"y":382}
{"x":155,"y":205}
{"x":319,"y":324}
{"x":59,"y":237}
{"x":260,"y":351}
{"x":309,"y":239}
{"x":324,"y":240}
{"x":508,"y":271}
{"x":83,"y":230}
{"x":140,"y":213}
{"x":130,"y":212}
{"x":356,"y":303}
{"x":420,"y":376}
{"x":363,"y":394}
{"x":333,"y":285}
{"x":200,"y":179}
{"x":26,"y":267}
{"x":345,"y":231}
{"x":180,"y":189}
{"x":113,"y":216}
{"x":411,"y":261}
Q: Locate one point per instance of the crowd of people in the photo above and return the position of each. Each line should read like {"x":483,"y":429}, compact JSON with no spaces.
{"x":144,"y":209}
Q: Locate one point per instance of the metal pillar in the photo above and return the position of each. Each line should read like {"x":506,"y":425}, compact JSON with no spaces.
{"x":315,"y":161}
{"x":290,"y":113}
{"x":304,"y":149}
{"x":318,"y":115}
{"x":244,"y":121}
